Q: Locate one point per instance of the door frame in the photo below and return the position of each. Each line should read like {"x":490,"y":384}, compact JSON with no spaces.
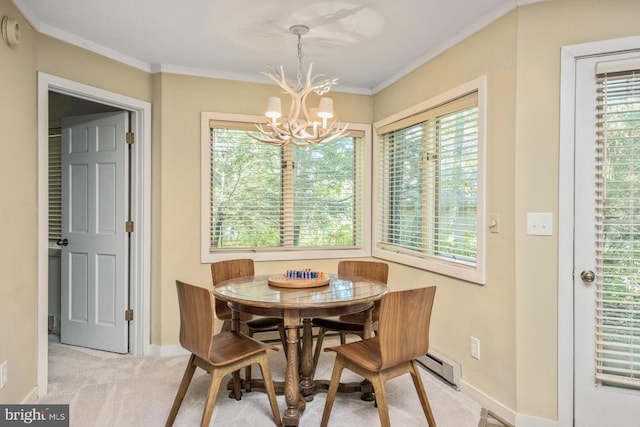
{"x":569,"y":56}
{"x":140,"y":189}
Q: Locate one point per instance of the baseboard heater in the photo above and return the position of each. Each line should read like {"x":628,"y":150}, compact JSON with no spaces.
{"x":443,"y":367}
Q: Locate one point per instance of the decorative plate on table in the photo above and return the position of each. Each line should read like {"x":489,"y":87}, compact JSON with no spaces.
{"x":282,"y":281}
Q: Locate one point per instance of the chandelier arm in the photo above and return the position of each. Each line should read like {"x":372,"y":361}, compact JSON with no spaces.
{"x":274,"y":141}
{"x":303,"y":103}
{"x":281,"y":81}
{"x":294,"y":109}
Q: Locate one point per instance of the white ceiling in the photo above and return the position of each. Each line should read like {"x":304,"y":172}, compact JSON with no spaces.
{"x":367,"y":44}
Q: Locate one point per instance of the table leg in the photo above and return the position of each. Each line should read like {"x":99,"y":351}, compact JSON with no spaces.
{"x":306,"y":362}
{"x":295,"y":404}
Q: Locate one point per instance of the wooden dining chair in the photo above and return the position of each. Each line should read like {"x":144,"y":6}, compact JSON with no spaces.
{"x":350,"y":323}
{"x":250,"y":325}
{"x":218,"y":354}
{"x":403,"y":335}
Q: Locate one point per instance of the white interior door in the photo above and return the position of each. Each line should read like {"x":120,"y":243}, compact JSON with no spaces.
{"x":94,"y":294}
{"x":607,"y":243}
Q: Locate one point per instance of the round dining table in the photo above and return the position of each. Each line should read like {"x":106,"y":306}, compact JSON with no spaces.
{"x":297,"y":306}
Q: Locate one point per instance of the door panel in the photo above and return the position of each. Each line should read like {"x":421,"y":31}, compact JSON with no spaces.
{"x":78,"y":279}
{"x":107,"y":290}
{"x":95,"y":288}
{"x":600,"y":401}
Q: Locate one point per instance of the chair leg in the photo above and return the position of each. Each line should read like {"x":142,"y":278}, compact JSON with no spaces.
{"x":316,"y":353}
{"x":271,"y":391}
{"x":422,"y":394}
{"x":216,"y":379}
{"x":182,"y":390}
{"x":247,"y":370}
{"x":381,"y":400}
{"x":343,"y":338}
{"x":333,"y":389}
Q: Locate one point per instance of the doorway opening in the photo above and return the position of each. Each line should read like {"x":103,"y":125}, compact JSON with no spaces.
{"x":139,"y":112}
{"x":62,"y":106}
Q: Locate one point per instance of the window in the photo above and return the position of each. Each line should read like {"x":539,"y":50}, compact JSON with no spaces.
{"x":276,"y":203}
{"x":429,"y":173}
{"x":617,"y":232}
{"x":55,"y":185}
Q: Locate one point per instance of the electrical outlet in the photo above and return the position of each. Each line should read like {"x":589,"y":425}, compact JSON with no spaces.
{"x":475,"y":348}
{"x":4,"y":373}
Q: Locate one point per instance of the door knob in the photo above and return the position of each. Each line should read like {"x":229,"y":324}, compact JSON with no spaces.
{"x":588,"y":276}
{"x":62,"y":242}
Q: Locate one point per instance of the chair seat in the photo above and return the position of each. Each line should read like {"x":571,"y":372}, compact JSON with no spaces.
{"x":229,"y":347}
{"x":264,"y":323}
{"x":335,"y":324}
{"x":365,"y":353}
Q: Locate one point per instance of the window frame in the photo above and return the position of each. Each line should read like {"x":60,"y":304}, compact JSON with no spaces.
{"x":282,"y":254}
{"x":475,"y":274}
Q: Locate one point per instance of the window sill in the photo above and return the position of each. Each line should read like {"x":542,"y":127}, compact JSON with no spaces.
{"x":207,"y":257}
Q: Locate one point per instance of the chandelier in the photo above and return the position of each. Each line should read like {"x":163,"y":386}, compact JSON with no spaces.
{"x":302,"y":127}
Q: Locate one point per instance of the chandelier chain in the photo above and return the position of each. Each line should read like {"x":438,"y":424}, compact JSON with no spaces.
{"x":300,"y":56}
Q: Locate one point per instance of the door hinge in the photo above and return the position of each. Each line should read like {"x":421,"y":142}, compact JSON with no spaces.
{"x":128,"y":226}
{"x":128,"y":315}
{"x":130,"y":138}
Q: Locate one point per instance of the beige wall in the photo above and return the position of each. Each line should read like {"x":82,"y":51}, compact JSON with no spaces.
{"x":542,"y":31}
{"x":462,"y":309}
{"x":73,"y":63}
{"x":514,"y":315}
{"x":18,"y":249}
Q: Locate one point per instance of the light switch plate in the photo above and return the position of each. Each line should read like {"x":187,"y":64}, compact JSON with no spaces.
{"x":475,"y":348}
{"x":494,"y":223}
{"x":539,"y":223}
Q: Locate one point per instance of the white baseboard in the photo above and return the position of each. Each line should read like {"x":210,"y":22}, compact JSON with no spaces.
{"x":31,"y":397}
{"x":488,"y":402}
{"x":529,"y":421}
{"x":166,"y":350}
{"x":502,"y":411}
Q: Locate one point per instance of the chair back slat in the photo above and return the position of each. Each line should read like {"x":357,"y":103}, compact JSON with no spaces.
{"x":225,"y":270}
{"x":196,"y":318}
{"x":368,"y":269}
{"x":404,"y":325}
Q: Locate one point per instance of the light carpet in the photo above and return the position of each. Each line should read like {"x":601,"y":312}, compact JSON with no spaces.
{"x":106,"y":389}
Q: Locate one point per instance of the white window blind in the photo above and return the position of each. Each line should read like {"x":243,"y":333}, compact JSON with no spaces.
{"x":265,"y":198}
{"x":55,"y":184}
{"x":618,"y":227}
{"x":428,"y":184}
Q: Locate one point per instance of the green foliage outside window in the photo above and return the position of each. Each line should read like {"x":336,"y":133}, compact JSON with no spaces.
{"x":264,"y":196}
